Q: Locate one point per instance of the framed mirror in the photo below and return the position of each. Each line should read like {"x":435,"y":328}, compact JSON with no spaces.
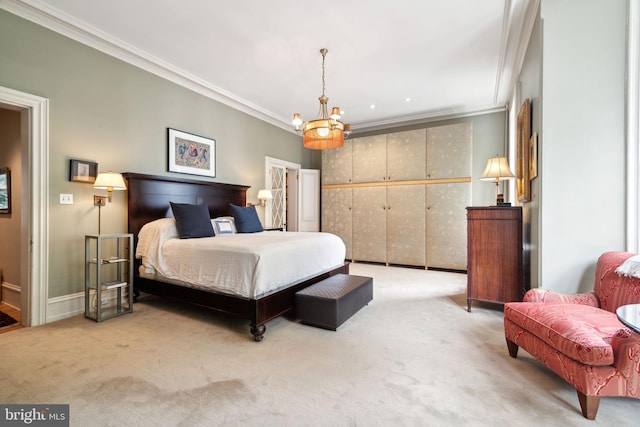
{"x":5,"y":191}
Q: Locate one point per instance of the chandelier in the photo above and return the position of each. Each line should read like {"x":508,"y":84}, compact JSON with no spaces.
{"x":327,"y":131}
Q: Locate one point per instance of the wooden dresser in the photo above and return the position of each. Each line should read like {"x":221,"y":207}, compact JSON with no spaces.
{"x":494,"y":254}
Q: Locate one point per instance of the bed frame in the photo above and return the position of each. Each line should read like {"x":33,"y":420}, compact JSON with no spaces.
{"x":148,"y":200}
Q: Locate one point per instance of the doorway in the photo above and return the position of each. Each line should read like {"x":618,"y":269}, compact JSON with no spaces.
{"x":34,"y":124}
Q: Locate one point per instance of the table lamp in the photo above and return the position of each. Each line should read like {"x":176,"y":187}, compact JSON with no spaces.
{"x":497,"y":170}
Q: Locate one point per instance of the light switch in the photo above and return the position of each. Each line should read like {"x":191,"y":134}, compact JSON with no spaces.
{"x":66,"y":199}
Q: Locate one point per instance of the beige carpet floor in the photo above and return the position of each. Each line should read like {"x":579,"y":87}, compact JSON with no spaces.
{"x":413,"y":357}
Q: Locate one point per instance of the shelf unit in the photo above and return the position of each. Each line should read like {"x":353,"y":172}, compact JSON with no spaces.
{"x":108,"y":276}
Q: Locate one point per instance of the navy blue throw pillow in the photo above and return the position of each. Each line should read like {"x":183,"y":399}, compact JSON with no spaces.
{"x":246,"y":219}
{"x":192,"y":221}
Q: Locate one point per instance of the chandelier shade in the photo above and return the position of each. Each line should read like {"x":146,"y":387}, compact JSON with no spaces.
{"x":327,"y":131}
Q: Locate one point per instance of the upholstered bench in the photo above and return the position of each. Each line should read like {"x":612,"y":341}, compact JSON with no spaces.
{"x":330,"y":302}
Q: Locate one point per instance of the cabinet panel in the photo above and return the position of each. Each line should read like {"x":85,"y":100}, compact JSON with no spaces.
{"x":370,"y":158}
{"x":369,"y":224}
{"x":336,"y":215}
{"x":447,"y":225}
{"x":406,"y":155}
{"x":449,"y":151}
{"x":495,"y":270}
{"x":406,"y":225}
{"x":337,"y":164}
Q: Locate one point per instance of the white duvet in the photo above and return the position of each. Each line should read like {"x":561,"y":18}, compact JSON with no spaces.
{"x":244,"y":264}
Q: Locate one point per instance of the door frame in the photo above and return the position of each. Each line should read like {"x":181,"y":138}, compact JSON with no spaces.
{"x":35,"y":215}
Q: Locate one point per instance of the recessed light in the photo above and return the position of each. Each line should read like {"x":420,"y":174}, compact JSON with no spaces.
{"x":372,"y":106}
{"x":407,"y":99}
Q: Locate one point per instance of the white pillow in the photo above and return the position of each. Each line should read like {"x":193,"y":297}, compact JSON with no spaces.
{"x":222,"y":226}
{"x":224,"y":218}
{"x":154,"y":233}
{"x":630,"y":268}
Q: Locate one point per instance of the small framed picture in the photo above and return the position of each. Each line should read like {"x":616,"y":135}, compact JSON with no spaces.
{"x":5,"y":191}
{"x":83,"y":171}
{"x":192,"y":154}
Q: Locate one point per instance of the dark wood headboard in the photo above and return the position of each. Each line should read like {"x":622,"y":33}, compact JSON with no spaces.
{"x":149,"y":196}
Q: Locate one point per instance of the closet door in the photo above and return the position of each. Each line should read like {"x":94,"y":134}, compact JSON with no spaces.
{"x":337,"y":164}
{"x":449,"y":151}
{"x":406,"y":155}
{"x":446,"y":225}
{"x":406,"y":225}
{"x":337,"y":213}
{"x":370,"y":159}
{"x":370,"y":224}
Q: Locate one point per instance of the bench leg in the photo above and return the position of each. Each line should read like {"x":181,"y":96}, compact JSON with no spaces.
{"x":589,"y":405}
{"x":513,"y":348}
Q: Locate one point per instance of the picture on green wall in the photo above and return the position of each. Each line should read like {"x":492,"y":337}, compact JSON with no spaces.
{"x":191,"y":154}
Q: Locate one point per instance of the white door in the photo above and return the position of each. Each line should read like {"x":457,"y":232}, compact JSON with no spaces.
{"x":308,"y":200}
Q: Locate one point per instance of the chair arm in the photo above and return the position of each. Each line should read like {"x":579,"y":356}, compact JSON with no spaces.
{"x":545,"y":295}
{"x":626,"y":358}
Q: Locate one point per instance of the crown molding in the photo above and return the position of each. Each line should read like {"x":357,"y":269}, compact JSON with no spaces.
{"x":54,"y":20}
{"x":66,"y":25}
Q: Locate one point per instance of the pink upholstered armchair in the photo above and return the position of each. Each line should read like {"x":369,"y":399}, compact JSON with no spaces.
{"x":579,"y":337}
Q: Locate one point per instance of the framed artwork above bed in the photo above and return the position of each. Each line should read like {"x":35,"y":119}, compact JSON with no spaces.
{"x":191,"y":154}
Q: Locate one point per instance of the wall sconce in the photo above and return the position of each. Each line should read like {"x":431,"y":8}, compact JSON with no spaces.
{"x":109,"y":181}
{"x":498,"y":170}
{"x":263,"y":196}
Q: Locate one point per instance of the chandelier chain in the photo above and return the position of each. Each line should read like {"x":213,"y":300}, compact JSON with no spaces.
{"x":324,"y":53}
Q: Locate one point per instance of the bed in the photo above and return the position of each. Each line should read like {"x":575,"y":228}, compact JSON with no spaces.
{"x":149,"y":200}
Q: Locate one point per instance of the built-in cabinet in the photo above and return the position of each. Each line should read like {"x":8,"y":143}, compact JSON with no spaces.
{"x":400,"y":198}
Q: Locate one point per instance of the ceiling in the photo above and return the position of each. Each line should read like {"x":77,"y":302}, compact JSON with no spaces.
{"x":450,"y":57}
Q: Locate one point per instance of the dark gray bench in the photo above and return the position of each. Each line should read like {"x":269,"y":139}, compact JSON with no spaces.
{"x":330,"y":302}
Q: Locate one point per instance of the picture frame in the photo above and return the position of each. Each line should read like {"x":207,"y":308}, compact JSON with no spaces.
{"x":83,"y":171}
{"x":191,"y":154}
{"x":533,"y":156}
{"x":5,"y":191}
{"x":523,"y":183}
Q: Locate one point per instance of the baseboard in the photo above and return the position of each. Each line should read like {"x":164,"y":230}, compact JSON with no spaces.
{"x":66,"y":306}
{"x":11,"y":295}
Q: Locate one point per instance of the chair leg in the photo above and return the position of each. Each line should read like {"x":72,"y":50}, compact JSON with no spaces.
{"x":589,"y":405}
{"x":513,"y":348}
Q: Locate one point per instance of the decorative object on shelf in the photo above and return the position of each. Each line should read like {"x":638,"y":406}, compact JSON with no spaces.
{"x":109,"y":181}
{"x":5,"y":191}
{"x":191,"y":154}
{"x":82,"y":171}
{"x":522,"y":168}
{"x":533,"y":156}
{"x":327,"y":131}
{"x":498,"y":170}
{"x":263,"y":196}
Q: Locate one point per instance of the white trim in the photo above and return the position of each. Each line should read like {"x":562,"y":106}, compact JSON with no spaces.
{"x":633,"y":127}
{"x":66,"y":306}
{"x":38,"y":265}
{"x":11,"y":295}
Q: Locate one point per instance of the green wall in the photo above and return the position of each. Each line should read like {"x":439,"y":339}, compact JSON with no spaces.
{"x":105,"y":110}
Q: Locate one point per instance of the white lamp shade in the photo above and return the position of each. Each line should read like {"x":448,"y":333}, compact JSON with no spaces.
{"x":109,"y":181}
{"x":497,"y":170}
{"x":265,"y":195}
